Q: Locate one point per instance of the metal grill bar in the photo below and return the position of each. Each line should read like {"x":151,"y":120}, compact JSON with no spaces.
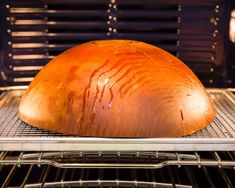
{"x":208,"y":176}
{"x":111,"y":155}
{"x":100,"y":183}
{"x":10,"y":175}
{"x":108,"y":160}
{"x":120,"y":165}
{"x":172,"y":176}
{"x":27,"y":175}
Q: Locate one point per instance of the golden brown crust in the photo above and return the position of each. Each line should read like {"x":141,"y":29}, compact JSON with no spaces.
{"x":117,"y":88}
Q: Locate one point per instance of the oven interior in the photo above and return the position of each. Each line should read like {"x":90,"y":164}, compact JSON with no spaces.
{"x":33,"y":32}
{"x":197,"y":32}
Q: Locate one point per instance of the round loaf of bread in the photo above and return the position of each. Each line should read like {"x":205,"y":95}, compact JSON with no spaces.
{"x":117,"y":88}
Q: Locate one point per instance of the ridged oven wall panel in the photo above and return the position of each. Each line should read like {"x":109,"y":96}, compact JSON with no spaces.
{"x":34,"y":32}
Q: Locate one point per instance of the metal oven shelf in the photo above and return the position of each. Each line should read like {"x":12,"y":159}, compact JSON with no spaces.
{"x":16,"y":135}
{"x":117,"y":169}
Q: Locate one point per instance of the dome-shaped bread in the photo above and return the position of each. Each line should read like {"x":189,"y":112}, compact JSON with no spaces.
{"x":117,"y":88}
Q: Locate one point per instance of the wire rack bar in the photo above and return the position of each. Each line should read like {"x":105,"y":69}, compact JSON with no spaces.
{"x":113,"y":161}
{"x":108,"y":183}
{"x":177,"y":175}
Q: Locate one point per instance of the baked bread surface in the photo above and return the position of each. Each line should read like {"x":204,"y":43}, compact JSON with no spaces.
{"x":117,"y":88}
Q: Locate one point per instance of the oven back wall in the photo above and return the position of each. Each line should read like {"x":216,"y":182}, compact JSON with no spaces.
{"x":33,"y":32}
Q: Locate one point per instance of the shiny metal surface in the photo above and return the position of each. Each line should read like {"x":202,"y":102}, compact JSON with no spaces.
{"x":16,"y":135}
{"x":116,"y":160}
{"x":16,"y":173}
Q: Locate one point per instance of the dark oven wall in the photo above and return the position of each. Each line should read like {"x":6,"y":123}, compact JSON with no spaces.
{"x":33,"y":32}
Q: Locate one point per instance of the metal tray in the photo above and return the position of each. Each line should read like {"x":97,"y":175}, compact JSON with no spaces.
{"x":16,"y":135}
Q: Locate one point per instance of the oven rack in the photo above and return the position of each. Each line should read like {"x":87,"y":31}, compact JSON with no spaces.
{"x":175,"y":175}
{"x":115,"y":160}
{"x":16,"y":135}
{"x":106,"y":183}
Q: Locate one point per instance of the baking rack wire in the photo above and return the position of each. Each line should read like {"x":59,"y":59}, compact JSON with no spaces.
{"x":11,"y":126}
